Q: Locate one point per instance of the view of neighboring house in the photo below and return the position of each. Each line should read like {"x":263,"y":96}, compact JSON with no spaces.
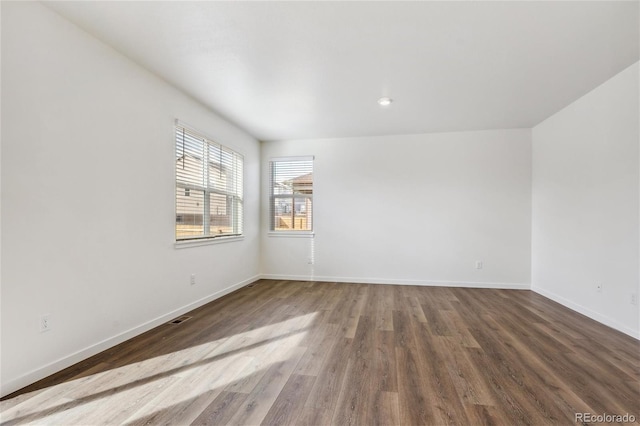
{"x":204,"y":200}
{"x":292,"y":202}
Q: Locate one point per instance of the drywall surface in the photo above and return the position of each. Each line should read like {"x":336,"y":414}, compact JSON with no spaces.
{"x":585,"y":203}
{"x":88,"y":196}
{"x":413,"y":209}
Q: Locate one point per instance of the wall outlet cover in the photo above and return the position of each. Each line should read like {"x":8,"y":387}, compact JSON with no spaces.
{"x":45,"y":323}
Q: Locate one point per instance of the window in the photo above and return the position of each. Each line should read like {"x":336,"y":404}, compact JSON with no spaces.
{"x":208,"y":187}
{"x":291,"y":195}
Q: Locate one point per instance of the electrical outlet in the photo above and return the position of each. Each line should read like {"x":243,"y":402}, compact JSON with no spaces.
{"x":45,"y":323}
{"x":634,"y":299}
{"x":599,"y":287}
{"x":193,"y":279}
{"x":478,"y":264}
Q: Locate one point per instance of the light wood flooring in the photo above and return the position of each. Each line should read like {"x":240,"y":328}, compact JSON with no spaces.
{"x":311,"y":353}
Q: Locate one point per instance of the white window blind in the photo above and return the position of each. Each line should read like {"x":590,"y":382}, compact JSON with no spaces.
{"x":209,"y":187}
{"x":291,"y":197}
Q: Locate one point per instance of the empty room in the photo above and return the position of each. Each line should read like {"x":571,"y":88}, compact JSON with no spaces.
{"x":320,"y":213}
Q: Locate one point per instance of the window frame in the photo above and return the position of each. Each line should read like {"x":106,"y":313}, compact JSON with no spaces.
{"x":272,"y":231}
{"x":235,"y":197}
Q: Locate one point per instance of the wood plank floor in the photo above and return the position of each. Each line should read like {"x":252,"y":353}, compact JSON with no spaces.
{"x":311,"y":353}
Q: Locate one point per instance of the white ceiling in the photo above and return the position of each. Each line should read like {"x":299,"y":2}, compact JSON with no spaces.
{"x":285,"y":70}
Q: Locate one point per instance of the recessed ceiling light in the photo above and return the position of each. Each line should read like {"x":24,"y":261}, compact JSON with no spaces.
{"x":385,"y":101}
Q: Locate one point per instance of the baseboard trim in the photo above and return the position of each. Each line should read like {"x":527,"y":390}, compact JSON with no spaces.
{"x":426,"y":283}
{"x":603,"y":319}
{"x":67,"y":361}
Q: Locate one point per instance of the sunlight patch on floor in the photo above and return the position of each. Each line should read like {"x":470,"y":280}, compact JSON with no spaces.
{"x":136,"y":390}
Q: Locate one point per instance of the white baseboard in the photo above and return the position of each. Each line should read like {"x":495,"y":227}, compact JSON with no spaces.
{"x":432,"y":283}
{"x":603,"y":319}
{"x":67,"y":361}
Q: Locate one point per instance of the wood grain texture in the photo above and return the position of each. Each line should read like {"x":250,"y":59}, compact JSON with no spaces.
{"x":314,"y":353}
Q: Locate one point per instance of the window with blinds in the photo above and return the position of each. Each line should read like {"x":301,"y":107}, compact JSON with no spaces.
{"x":208,"y":187}
{"x":291,"y":195}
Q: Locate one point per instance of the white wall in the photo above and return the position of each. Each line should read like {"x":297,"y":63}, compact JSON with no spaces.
{"x":585,"y":203}
{"x":417,"y":209}
{"x":88,"y":198}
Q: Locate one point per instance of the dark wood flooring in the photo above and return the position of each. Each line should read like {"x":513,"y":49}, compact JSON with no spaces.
{"x":311,"y":353}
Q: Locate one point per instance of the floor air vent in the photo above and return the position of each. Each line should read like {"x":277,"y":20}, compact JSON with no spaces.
{"x":180,"y":320}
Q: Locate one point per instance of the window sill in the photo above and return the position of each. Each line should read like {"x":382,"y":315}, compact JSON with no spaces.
{"x":291,"y":234}
{"x":206,"y":241}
